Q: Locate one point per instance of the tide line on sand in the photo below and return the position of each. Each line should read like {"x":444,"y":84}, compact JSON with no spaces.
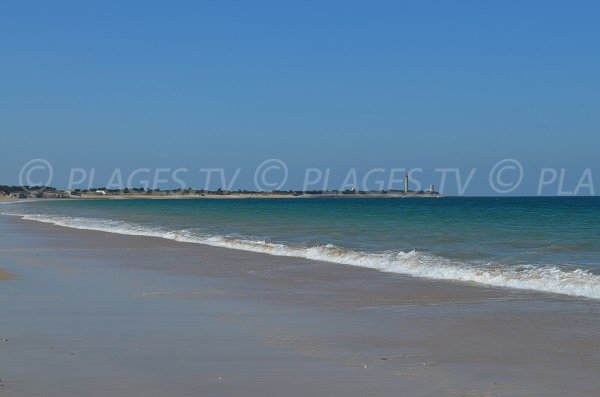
{"x":549,"y":278}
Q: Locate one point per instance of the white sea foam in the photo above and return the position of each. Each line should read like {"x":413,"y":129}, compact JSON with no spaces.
{"x":577,"y":282}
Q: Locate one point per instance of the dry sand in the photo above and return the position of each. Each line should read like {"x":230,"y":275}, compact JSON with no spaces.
{"x":97,"y":314}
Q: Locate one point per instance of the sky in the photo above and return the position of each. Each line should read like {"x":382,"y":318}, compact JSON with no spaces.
{"x":425,"y":86}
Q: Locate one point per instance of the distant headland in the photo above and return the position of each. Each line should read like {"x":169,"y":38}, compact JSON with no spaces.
{"x":47,"y":192}
{"x":17,"y":193}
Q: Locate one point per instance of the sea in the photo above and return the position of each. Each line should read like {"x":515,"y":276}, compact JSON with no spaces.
{"x":547,"y":244}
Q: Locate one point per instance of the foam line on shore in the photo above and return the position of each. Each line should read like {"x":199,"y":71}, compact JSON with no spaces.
{"x":550,"y":278}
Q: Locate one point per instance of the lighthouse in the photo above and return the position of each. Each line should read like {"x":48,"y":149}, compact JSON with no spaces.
{"x":406,"y":183}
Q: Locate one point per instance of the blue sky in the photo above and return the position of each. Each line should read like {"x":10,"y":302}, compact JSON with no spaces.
{"x":339,"y":85}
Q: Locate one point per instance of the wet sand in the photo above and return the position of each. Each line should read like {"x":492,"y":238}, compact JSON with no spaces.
{"x":98,"y":314}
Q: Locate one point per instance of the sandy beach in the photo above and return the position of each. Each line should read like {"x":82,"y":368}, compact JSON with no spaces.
{"x":298,"y":199}
{"x":98,"y":314}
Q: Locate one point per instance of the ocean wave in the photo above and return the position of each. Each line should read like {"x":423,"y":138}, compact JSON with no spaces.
{"x":553,"y":279}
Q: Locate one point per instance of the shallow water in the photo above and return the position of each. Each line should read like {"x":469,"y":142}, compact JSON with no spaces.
{"x":545,"y":244}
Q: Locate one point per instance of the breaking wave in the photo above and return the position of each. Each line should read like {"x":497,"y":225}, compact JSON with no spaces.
{"x":553,"y":279}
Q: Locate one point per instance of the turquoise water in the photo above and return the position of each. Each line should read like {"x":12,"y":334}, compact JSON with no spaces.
{"x":547,"y":244}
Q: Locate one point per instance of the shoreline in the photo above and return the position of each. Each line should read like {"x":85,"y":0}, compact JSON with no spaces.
{"x":335,"y":329}
{"x":463,"y":275}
